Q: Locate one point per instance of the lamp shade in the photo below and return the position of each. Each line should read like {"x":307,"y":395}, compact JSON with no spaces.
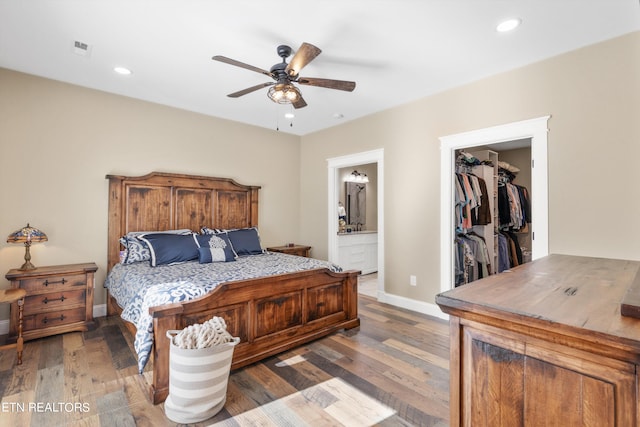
{"x":27,"y":235}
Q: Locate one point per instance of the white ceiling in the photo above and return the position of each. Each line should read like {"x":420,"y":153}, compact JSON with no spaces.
{"x":396,"y":50}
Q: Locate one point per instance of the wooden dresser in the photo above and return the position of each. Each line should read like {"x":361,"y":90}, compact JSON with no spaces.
{"x":545,"y":344}
{"x":59,"y":299}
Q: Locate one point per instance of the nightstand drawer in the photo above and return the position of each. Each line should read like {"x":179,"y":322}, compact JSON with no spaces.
{"x":54,"y":301}
{"x":55,"y":318}
{"x":53,"y":283}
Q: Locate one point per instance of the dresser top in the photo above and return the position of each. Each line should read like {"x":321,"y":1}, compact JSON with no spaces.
{"x":52,"y":270}
{"x":569,"y":295}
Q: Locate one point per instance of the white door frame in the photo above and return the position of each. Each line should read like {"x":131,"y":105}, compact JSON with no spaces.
{"x":356,"y":159}
{"x":537,"y":130}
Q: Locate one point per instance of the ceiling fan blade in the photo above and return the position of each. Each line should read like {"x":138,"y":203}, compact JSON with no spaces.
{"x":241,"y":65}
{"x":303,"y":56}
{"x":328,"y":83}
{"x":249,"y":90}
{"x":299,"y":103}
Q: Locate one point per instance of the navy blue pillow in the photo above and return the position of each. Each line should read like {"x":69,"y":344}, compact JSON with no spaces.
{"x":245,"y":241}
{"x":170,"y":248}
{"x":215,"y":248}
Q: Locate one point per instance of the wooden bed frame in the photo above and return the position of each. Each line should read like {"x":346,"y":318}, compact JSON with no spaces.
{"x":270,"y":314}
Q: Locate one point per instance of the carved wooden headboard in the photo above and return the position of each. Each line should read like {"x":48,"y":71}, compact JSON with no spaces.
{"x":166,"y":201}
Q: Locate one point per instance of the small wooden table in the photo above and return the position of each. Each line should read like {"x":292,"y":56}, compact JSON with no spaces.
{"x":17,"y":296}
{"x":299,"y":250}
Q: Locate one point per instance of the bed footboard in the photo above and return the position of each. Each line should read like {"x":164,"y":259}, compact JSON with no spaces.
{"x":270,"y":315}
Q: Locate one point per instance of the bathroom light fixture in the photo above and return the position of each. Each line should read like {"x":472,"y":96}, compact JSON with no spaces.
{"x":356,"y":176}
{"x":508,"y":25}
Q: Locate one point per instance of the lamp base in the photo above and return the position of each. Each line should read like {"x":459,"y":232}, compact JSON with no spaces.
{"x":27,"y":266}
{"x":27,"y":258}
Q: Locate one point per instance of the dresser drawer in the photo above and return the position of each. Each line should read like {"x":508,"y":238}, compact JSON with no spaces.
{"x":54,"y":301}
{"x":54,"y":318}
{"x":52,"y":283}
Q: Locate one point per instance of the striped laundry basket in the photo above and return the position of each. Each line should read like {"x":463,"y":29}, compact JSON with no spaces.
{"x":197,"y":381}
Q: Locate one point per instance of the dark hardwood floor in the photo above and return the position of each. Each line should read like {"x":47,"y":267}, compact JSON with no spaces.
{"x":396,"y":362}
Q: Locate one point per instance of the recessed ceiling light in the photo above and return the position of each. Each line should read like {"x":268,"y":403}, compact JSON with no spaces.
{"x":338,"y":116}
{"x":508,"y":25}
{"x":122,"y":70}
{"x":289,"y":115}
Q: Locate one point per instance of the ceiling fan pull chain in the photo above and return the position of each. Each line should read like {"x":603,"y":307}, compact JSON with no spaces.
{"x":291,"y":115}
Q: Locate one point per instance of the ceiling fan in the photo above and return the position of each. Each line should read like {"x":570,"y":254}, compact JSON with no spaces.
{"x":283,"y":90}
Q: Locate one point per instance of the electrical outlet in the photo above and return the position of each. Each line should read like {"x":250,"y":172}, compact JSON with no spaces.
{"x":412,"y":280}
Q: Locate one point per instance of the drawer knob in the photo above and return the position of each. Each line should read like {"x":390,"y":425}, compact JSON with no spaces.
{"x":47,"y":300}
{"x":47,"y":282}
{"x":61,"y":318}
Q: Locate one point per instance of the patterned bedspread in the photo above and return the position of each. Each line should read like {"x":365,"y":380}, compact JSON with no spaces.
{"x":137,"y":287}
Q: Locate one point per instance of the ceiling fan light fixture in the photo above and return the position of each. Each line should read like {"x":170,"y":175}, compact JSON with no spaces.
{"x":291,"y":95}
{"x":284,"y":93}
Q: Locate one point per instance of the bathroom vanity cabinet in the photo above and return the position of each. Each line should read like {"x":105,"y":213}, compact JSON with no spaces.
{"x":358,"y":251}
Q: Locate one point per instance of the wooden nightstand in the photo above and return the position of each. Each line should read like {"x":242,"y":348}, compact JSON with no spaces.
{"x":59,"y":299}
{"x":299,"y":250}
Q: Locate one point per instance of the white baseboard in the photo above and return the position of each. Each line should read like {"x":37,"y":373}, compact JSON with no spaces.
{"x":98,"y":311}
{"x":413,"y":305}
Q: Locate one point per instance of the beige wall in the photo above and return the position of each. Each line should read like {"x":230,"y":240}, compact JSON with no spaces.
{"x":58,"y":141}
{"x":593,"y":97}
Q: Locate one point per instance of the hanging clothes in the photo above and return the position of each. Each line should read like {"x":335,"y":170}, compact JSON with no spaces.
{"x":472,"y":202}
{"x":484,"y":210}
{"x":514,"y":210}
{"x":472,"y":261}
{"x":472,"y":256}
{"x":504,"y":260}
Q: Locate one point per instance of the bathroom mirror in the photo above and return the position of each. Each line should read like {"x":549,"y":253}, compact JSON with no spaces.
{"x":356,"y":198}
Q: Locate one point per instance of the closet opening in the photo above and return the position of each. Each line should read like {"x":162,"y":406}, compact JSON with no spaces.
{"x":532,"y":132}
{"x":492,"y":209}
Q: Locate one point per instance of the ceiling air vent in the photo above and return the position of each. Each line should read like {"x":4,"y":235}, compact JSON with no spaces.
{"x":80,"y":48}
